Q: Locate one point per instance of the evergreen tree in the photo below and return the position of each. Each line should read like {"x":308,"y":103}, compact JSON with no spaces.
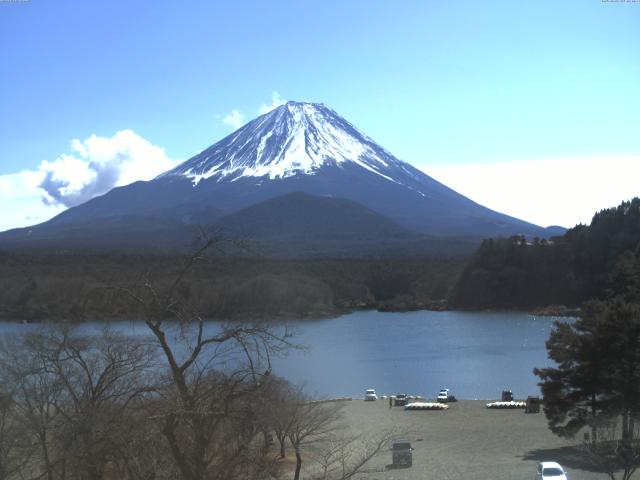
{"x":515,"y":273}
{"x":596,"y":383}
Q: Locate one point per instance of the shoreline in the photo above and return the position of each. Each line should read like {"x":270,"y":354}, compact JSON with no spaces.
{"x":552,"y":311}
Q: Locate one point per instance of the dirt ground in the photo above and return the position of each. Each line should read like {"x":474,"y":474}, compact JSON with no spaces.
{"x":468,"y":441}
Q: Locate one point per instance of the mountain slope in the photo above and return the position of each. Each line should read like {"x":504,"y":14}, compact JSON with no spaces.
{"x":299,"y":225}
{"x":298,"y":147}
{"x":302,"y":216}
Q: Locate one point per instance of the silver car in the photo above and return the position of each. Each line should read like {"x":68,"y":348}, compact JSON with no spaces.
{"x":370,"y":395}
{"x":550,"y":471}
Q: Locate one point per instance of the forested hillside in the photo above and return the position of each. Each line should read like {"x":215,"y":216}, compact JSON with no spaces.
{"x":77,"y":288}
{"x":517,"y":273}
{"x":504,"y":273}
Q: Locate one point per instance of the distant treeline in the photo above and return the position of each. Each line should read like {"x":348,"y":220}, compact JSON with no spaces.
{"x":584,"y":263}
{"x":504,"y":273}
{"x":76,"y":287}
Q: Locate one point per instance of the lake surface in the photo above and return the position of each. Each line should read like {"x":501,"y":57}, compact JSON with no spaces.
{"x":475,"y":354}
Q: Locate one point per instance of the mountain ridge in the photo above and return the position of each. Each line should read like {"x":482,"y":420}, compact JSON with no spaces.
{"x":297,"y":147}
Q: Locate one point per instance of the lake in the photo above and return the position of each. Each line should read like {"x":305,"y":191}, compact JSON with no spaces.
{"x":475,"y":354}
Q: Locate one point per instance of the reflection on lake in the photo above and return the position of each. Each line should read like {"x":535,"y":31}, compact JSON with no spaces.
{"x":475,"y":354}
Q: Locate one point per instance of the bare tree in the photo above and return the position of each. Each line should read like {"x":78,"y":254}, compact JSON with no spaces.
{"x":76,"y":396}
{"x":310,"y":423}
{"x":15,"y":448}
{"x":343,"y":457}
{"x":213,"y":371}
{"x":94,"y":406}
{"x":102,"y":377}
{"x":278,"y":398}
{"x":617,"y":449}
{"x":35,"y":392}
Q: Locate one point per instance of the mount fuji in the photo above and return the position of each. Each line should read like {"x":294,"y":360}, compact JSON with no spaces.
{"x":278,"y":173}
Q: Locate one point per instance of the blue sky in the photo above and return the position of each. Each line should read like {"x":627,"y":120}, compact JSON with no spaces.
{"x":464,"y":90}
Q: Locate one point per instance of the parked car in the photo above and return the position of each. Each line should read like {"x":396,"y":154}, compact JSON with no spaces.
{"x":370,"y":395}
{"x":443,"y":396}
{"x":400,"y":400}
{"x":550,"y":471}
{"x":402,"y":454}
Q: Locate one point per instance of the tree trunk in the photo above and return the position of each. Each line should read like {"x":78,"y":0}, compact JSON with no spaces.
{"x":282,"y":444}
{"x":625,"y":428}
{"x":199,"y":449}
{"x":296,"y":475}
{"x":627,"y":444}
{"x":92,"y":459}
{"x":169,"y":432}
{"x":594,"y":429}
{"x":42,"y":437}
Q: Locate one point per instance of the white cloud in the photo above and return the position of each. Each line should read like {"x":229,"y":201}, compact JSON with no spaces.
{"x":276,"y":101}
{"x":93,"y":167}
{"x":234,"y":119}
{"x":564,"y":191}
{"x":21,"y":201}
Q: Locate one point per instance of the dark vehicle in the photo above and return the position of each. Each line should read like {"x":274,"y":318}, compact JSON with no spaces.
{"x":507,"y":396}
{"x":400,"y":400}
{"x":533,"y":405}
{"x":402,"y":455}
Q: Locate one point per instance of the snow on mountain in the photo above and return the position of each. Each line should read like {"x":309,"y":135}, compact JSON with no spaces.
{"x":298,"y":148}
{"x":295,"y":138}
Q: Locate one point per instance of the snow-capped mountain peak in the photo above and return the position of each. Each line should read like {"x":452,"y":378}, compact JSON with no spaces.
{"x":295,"y":138}
{"x":299,"y":162}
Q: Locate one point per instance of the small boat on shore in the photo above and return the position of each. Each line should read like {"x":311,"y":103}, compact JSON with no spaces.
{"x":426,"y":406}
{"x":507,"y":405}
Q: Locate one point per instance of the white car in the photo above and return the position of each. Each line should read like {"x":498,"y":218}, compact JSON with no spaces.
{"x":443,"y":396}
{"x":370,"y":395}
{"x":550,"y":471}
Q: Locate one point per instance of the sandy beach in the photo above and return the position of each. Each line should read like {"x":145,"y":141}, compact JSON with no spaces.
{"x":467,"y":441}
